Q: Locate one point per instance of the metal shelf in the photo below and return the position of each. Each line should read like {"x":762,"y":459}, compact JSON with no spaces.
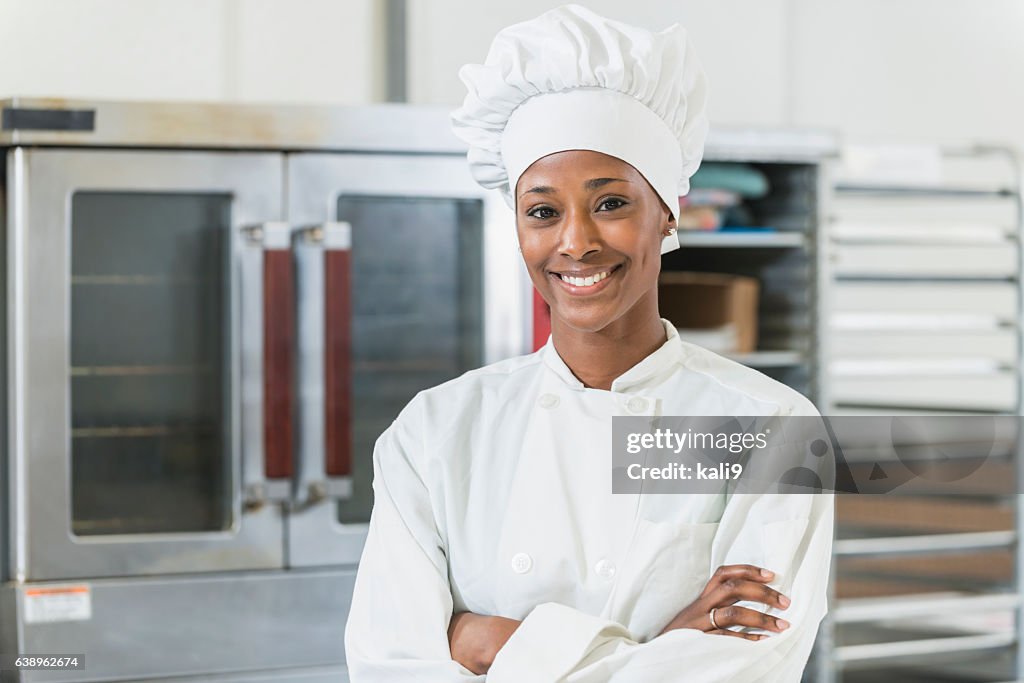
{"x":966,"y":279}
{"x":742,"y":239}
{"x":916,"y":367}
{"x":923,"y":544}
{"x":926,"y":191}
{"x":870,"y":639}
{"x":879,"y":609}
{"x":138,"y":370}
{"x":929,"y":646}
{"x":149,"y":431}
{"x":769,"y":359}
{"x":903,"y":409}
{"x":136,"y":280}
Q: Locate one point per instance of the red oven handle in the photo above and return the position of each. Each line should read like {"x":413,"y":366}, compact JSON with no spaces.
{"x":337,"y":362}
{"x":278,"y":361}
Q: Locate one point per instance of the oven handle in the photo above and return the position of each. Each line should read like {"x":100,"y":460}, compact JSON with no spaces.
{"x":323,"y":258}
{"x":267,"y":367}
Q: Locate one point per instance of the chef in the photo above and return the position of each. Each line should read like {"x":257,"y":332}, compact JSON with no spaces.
{"x":496,"y":549}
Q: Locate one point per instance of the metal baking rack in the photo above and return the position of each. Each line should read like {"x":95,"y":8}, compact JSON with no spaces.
{"x":926,"y":319}
{"x":786,"y":259}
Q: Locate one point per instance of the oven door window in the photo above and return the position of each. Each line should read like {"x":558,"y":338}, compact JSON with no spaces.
{"x":417,"y":312}
{"x":150,"y":381}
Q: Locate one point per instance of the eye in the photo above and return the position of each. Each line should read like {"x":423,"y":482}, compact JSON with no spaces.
{"x":615,"y":201}
{"x":533,"y":212}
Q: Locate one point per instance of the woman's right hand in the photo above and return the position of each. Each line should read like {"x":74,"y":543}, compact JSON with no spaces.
{"x":728,"y":585}
{"x":475,"y":639}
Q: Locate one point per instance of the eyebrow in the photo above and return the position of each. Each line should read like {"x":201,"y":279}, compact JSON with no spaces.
{"x":591,"y":184}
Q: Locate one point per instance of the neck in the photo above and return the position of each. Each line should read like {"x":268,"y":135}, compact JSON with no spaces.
{"x":597,"y":358}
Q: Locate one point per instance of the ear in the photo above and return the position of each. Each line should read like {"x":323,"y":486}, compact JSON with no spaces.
{"x":668,"y":219}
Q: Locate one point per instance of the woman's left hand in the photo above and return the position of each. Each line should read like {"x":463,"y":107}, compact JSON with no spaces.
{"x":475,"y":639}
{"x":715,"y":609}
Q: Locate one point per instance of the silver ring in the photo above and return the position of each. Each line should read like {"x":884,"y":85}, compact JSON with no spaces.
{"x":711,"y":615}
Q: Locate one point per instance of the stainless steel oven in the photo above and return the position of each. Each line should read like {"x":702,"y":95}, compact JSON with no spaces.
{"x":211,"y":314}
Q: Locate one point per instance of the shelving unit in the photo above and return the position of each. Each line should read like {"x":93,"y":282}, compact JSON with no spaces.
{"x":789,"y":263}
{"x":742,"y":240}
{"x":927,"y":313}
{"x":786,"y":259}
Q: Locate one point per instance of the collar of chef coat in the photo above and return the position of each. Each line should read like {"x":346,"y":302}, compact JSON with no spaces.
{"x":662,"y":362}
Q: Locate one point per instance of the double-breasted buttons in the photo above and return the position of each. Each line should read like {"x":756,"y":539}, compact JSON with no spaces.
{"x":548,"y":400}
{"x":604,"y":568}
{"x":521,"y":563}
{"x":637,"y":405}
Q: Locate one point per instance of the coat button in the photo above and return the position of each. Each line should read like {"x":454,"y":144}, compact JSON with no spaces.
{"x":604,"y":568}
{"x":548,"y":401}
{"x":637,"y":405}
{"x":521,"y":563}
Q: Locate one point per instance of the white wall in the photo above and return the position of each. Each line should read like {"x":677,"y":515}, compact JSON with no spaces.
{"x":874,"y":69}
{"x":745,"y":60}
{"x":244,"y":50}
{"x":913,"y":70}
{"x":328,"y":51}
{"x":110,"y":48}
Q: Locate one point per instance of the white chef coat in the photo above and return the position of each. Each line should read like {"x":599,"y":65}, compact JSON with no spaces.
{"x":493,"y":495}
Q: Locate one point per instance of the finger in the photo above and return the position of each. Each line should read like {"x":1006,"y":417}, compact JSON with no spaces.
{"x":737,"y":634}
{"x":735,"y":615}
{"x":747,"y":572}
{"x":736,"y":572}
{"x":732,"y":591}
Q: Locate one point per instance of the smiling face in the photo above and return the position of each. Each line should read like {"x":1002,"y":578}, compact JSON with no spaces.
{"x":590,"y":227}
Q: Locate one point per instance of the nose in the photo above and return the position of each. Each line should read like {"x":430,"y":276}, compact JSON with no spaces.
{"x":579,"y":236}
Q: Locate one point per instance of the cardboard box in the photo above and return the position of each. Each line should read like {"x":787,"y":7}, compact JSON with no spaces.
{"x":714,"y":310}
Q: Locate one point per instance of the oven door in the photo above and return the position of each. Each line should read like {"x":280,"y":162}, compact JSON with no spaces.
{"x":135,"y":392}
{"x":407,"y":275}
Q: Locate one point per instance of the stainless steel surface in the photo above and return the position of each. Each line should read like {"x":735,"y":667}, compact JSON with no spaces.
{"x":1018,"y":573}
{"x":917,"y":648}
{"x":913,"y":607}
{"x":289,"y":621}
{"x":725,"y":239}
{"x":5,"y":537}
{"x":823,"y":299}
{"x":315,"y":184}
{"x":16,"y":505}
{"x":874,"y":645}
{"x":396,"y":44}
{"x":316,"y":181}
{"x":10,"y":627}
{"x":400,"y":128}
{"x":771,"y":145}
{"x":926,"y":544}
{"x":39,"y":319}
{"x":149,"y":628}
{"x":821,"y":665}
{"x":258,"y":489}
{"x":312,"y":485}
{"x":204,"y":125}
{"x":317,"y":674}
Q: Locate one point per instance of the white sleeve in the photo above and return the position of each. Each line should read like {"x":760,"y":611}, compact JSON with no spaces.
{"x":790,"y":534}
{"x":397,"y":627}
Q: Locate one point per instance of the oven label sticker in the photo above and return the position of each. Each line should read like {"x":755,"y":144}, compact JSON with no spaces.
{"x":63,"y":603}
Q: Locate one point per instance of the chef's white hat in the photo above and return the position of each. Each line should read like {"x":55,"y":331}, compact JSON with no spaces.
{"x":572,"y":79}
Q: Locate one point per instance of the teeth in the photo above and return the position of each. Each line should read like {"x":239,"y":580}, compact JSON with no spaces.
{"x":585,"y":281}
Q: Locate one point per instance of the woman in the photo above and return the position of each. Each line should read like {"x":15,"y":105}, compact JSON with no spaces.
{"x":496,"y":547}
